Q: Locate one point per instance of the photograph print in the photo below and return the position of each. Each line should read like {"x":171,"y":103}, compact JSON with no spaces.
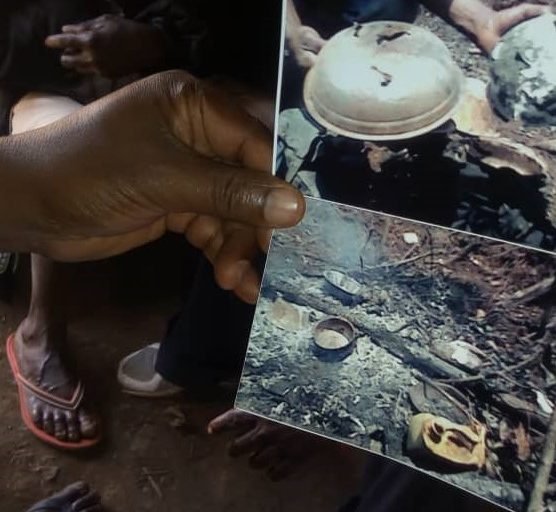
{"x":430,"y":346}
{"x":385,"y":105}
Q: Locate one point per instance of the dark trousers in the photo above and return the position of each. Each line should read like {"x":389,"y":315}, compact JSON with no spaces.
{"x":391,"y":487}
{"x":207,"y":340}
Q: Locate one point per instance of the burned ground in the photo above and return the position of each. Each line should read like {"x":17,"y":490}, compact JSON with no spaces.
{"x":417,"y":303}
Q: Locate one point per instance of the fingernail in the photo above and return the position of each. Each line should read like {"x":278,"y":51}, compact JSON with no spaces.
{"x":282,"y":208}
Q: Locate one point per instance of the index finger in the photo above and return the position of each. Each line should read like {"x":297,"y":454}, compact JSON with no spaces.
{"x":64,"y":41}
{"x":231,"y":420}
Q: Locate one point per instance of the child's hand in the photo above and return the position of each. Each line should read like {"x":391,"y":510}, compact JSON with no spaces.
{"x":111,"y":46}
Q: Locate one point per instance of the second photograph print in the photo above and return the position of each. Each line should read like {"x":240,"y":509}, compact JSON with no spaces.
{"x":426,"y":345}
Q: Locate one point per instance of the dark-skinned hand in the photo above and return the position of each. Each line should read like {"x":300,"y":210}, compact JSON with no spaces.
{"x":271,"y":447}
{"x":168,"y":153}
{"x":111,"y":46}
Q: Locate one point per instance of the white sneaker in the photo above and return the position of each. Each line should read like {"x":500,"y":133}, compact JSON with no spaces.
{"x":137,"y":375}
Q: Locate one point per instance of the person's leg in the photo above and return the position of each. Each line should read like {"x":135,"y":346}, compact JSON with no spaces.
{"x":390,"y":486}
{"x":39,"y":341}
{"x":207,"y":338}
{"x":77,"y":497}
{"x":206,"y":342}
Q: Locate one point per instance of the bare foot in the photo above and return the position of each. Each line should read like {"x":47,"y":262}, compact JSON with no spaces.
{"x":40,"y":363}
{"x":75,"y":498}
{"x":271,"y":447}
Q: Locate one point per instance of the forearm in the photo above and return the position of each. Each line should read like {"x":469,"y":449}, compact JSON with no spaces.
{"x":472,"y":17}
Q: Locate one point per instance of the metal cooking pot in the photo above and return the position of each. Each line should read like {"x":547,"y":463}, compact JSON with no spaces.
{"x":383,"y":81}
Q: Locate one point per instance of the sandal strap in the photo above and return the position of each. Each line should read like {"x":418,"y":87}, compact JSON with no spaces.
{"x":60,"y":403}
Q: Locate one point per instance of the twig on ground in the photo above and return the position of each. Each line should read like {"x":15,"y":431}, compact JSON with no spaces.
{"x":416,"y":325}
{"x":462,"y":254}
{"x":531,"y":293}
{"x":154,"y":485}
{"x":399,"y":263}
{"x":536,"y":500}
{"x":447,"y":395}
{"x":425,"y":309}
{"x":398,"y":404}
{"x":409,"y":253}
{"x":154,"y":472}
{"x":385,"y":231}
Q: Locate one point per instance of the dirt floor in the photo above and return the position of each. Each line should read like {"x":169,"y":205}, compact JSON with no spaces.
{"x":416,"y":306}
{"x":156,"y":456}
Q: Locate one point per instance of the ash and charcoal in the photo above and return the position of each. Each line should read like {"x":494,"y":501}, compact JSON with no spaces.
{"x":446,"y":324}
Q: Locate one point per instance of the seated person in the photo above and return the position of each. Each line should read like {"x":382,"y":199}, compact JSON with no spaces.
{"x":310,"y":23}
{"x":57,"y":56}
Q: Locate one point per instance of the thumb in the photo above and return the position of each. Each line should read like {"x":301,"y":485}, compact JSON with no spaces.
{"x":208,"y":187}
{"x":220,"y":160}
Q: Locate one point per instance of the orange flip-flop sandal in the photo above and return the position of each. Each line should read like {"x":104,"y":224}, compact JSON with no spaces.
{"x":24,"y":385}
